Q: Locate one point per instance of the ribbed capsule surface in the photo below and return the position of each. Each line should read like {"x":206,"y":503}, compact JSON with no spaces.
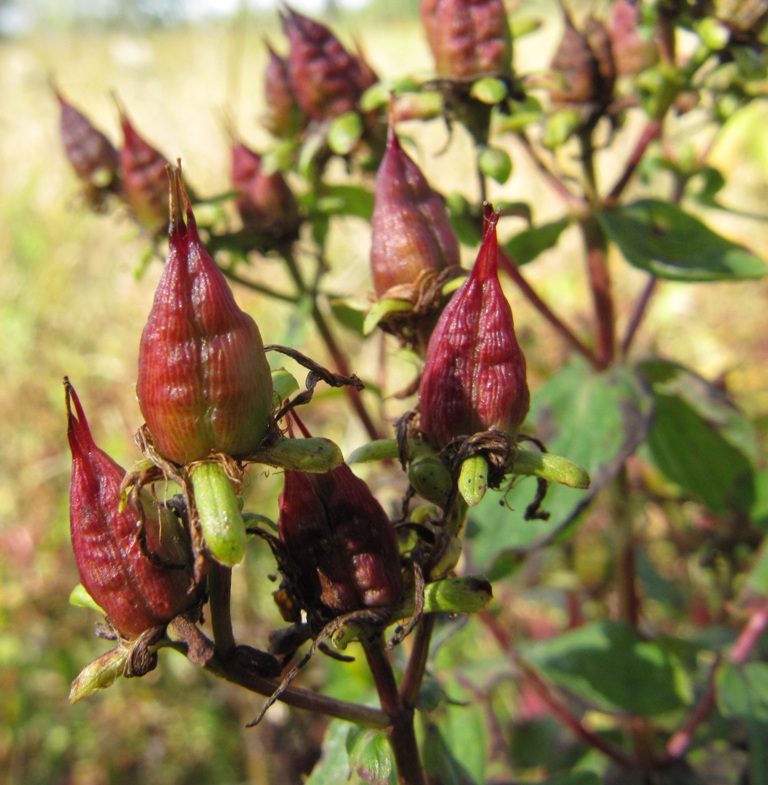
{"x":266,"y":203}
{"x":474,"y":376}
{"x":283,"y":116}
{"x":145,"y":183}
{"x":468,"y":37}
{"x":204,"y":383}
{"x":93,"y":157}
{"x":341,"y":547}
{"x":327,"y":80}
{"x":410,"y":231}
{"x":136,"y":592}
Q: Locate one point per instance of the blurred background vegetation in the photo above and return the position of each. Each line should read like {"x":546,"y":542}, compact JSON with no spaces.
{"x":71,"y":303}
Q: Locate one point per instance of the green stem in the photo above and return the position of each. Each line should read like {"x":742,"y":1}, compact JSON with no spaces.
{"x":401,"y":733}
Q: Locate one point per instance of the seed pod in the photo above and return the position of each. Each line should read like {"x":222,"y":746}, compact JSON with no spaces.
{"x":283,"y":117}
{"x":468,"y":38}
{"x":327,"y":80}
{"x":474,"y":372}
{"x":633,"y":52}
{"x":341,"y":548}
{"x":145,"y":183}
{"x":204,"y":382}
{"x":136,"y":592}
{"x":93,"y":157}
{"x":266,"y":204}
{"x":410,"y":231}
{"x":583,"y":65}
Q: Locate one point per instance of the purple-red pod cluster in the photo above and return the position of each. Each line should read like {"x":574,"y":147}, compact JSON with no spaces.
{"x":410,"y":230}
{"x":340,"y":546}
{"x":468,"y":38}
{"x":474,"y":376}
{"x":326,"y":79}
{"x":265,"y":202}
{"x":632,"y":51}
{"x":93,"y":157}
{"x":136,"y":591}
{"x":204,"y":382}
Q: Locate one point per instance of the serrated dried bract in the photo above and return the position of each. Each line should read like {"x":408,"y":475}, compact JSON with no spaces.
{"x":266,"y":204}
{"x":474,"y":376}
{"x":326,"y":79}
{"x":134,"y":563}
{"x":468,"y":38}
{"x":204,"y":383}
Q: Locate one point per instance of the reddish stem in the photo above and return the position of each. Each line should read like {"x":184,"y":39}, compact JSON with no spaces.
{"x":602,"y":296}
{"x":560,"y":710}
{"x":681,"y":741}
{"x":510,"y":267}
{"x":650,"y":133}
{"x":641,"y":308}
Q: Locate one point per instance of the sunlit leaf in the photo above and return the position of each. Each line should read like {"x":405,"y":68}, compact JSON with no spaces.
{"x":661,"y":238}
{"x":699,"y":439}
{"x":742,"y":691}
{"x":611,"y":667}
{"x":595,"y":420}
{"x":345,"y":132}
{"x":370,"y":757}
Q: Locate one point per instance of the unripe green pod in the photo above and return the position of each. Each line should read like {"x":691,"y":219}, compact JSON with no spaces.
{"x":430,"y":478}
{"x":473,"y":479}
{"x":219,"y":513}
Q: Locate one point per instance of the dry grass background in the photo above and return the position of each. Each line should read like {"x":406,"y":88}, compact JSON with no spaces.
{"x":70,"y":303}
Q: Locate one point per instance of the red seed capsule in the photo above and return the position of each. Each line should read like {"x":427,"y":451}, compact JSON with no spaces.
{"x":204,"y":382}
{"x":410,"y":231}
{"x":327,"y":80}
{"x":341,"y":547}
{"x":633,"y":52}
{"x":468,"y":38}
{"x":283,"y":117}
{"x":145,"y":183}
{"x":474,"y":376}
{"x":266,"y":203}
{"x":136,"y":592}
{"x":93,"y":157}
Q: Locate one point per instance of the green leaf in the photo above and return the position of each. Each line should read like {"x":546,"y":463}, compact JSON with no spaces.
{"x":333,"y":766}
{"x":530,"y":243}
{"x":742,"y":691}
{"x":699,"y":439}
{"x":495,"y":163}
{"x":489,"y":90}
{"x":574,"y":778}
{"x":754,"y":592}
{"x":80,"y":598}
{"x":596,"y":420}
{"x":348,"y":312}
{"x":346,"y":200}
{"x":664,"y":240}
{"x":370,"y":757}
{"x":284,"y":385}
{"x":439,"y":762}
{"x":609,"y":666}
{"x":344,"y":132}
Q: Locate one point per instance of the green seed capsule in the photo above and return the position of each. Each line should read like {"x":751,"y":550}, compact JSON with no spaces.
{"x":430,"y":479}
{"x":218,"y":509}
{"x":473,"y":479}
